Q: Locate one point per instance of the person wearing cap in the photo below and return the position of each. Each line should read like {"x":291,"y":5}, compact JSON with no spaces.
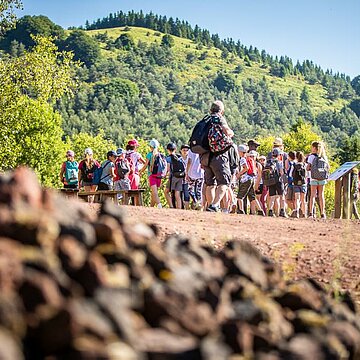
{"x":69,"y":173}
{"x":217,"y":166}
{"x":154,"y":181}
{"x":87,"y":167}
{"x":108,"y":173}
{"x":122,"y":170}
{"x":276,"y":191}
{"x":175,"y":165}
{"x":135,"y":161}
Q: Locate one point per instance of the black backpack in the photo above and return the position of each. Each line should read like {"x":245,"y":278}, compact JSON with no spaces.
{"x":270,"y":174}
{"x":123,"y":168}
{"x":177,"y":166}
{"x":199,"y":141}
{"x":299,"y":174}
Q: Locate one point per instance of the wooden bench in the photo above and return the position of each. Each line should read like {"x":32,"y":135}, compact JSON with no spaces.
{"x":128,"y":196}
{"x":70,"y":193}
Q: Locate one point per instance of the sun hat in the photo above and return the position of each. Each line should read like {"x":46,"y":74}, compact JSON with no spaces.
{"x":133,"y":142}
{"x":243,"y":148}
{"x":278,"y":142}
{"x":184,"y":146}
{"x":88,"y":151}
{"x":154,"y":143}
{"x":70,"y":153}
{"x":262,"y":157}
{"x":253,"y":142}
{"x":253,"y":153}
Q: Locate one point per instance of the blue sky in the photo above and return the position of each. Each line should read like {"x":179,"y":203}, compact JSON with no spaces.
{"x":324,"y":31}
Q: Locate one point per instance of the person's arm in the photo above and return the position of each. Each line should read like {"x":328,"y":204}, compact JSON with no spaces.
{"x":258,"y":176}
{"x":62,"y":171}
{"x":187,"y":169}
{"x":112,"y":171}
{"x":243,"y":169}
{"x":146,"y":163}
{"x":79,"y":172}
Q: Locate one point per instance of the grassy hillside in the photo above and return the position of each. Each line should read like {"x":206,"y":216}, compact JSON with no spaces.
{"x":214,"y":63}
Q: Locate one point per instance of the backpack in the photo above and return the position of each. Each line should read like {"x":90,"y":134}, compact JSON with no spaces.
{"x":71,"y":172}
{"x":199,"y":142}
{"x":299,"y":174}
{"x":270,"y":174}
{"x":122,"y":168}
{"x":87,"y":174}
{"x":219,"y":142}
{"x":252,"y":170}
{"x":177,"y":166}
{"x":319,"y":168}
{"x":98,"y":173}
{"x":129,"y":158}
{"x":160,"y":166}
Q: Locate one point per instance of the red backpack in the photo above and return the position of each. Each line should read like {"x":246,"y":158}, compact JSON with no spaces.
{"x":252,"y":170}
{"x":129,"y":158}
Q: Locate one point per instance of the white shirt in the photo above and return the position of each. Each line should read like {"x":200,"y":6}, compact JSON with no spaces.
{"x":195,"y":170}
{"x":244,"y":177}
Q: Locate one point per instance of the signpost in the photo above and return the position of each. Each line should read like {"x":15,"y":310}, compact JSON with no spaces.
{"x":342,"y":178}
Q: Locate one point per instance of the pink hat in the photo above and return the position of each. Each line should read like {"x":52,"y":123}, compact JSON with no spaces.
{"x":133,"y":142}
{"x":70,"y":153}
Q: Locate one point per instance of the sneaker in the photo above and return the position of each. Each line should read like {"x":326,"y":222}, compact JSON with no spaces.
{"x":282,"y":213}
{"x":311,"y":216}
{"x":323,"y":216}
{"x":301,"y":214}
{"x":261,"y":213}
{"x":241,"y":212}
{"x":159,"y":206}
{"x":233,"y":209}
{"x":213,"y":208}
{"x":271,"y":213}
{"x":295,"y":214}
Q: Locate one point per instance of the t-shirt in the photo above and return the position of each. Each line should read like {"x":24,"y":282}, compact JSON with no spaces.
{"x":195,"y":170}
{"x":90,"y":172}
{"x":244,"y":177}
{"x":135,"y":158}
{"x":149,"y":157}
{"x":106,"y":177}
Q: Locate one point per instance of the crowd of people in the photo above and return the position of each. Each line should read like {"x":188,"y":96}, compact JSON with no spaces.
{"x":226,"y":178}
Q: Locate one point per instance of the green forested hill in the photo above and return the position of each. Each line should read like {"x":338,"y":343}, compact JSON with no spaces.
{"x":141,"y":81}
{"x":151,"y":88}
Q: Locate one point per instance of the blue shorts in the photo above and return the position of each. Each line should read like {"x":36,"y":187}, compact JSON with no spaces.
{"x":300,"y":189}
{"x":318,"y":182}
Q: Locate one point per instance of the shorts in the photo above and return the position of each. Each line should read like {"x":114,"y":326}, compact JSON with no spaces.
{"x":122,"y":184}
{"x":318,"y":182}
{"x":218,"y":171}
{"x":103,"y":186}
{"x":299,"y":189}
{"x":70,"y":186}
{"x":277,"y":189}
{"x":174,"y":184}
{"x":290,"y":193}
{"x":259,"y":191}
{"x":134,"y":181}
{"x":246,"y":189}
{"x":153,"y":180}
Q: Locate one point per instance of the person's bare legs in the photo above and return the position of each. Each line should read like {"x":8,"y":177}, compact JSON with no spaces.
{"x":168,"y":198}
{"x":313,"y":193}
{"x":321,"y":199}
{"x":155,"y":196}
{"x":210,"y":194}
{"x":220,"y":191}
{"x":178,"y":199}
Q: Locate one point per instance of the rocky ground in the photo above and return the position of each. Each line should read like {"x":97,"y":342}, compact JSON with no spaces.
{"x":328,"y":251}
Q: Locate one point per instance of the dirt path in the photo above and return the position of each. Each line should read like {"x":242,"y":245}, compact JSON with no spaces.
{"x":328,"y":251}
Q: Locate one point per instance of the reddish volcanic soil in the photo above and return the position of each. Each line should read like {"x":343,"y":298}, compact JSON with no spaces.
{"x":326,"y":250}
